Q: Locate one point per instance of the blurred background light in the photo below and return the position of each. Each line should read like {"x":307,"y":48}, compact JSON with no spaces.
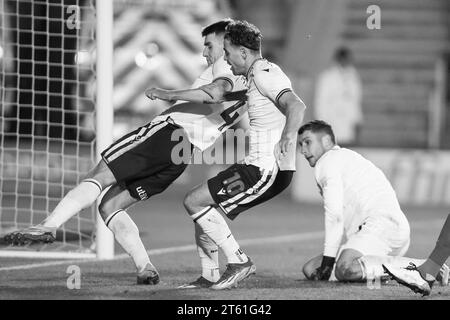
{"x":148,"y":58}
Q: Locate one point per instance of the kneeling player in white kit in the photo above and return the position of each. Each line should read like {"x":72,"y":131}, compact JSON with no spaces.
{"x":140,"y":165}
{"x":360,"y":206}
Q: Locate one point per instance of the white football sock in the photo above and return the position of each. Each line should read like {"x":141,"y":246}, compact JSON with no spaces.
{"x":127,"y":235}
{"x":372,"y":265}
{"x":208,"y":252}
{"x":77,"y":199}
{"x":214,"y":225}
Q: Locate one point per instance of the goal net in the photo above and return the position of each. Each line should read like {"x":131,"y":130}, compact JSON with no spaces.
{"x":47,"y":118}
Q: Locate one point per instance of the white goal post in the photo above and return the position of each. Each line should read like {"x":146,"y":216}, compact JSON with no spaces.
{"x":53,"y":125}
{"x":104,"y":107}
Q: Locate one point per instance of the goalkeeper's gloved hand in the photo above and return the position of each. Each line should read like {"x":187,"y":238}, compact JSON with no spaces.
{"x":324,"y":271}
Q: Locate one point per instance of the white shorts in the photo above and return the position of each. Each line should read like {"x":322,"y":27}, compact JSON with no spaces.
{"x":379,"y":236}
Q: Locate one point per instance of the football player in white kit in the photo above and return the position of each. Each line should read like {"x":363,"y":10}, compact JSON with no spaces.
{"x":275,"y":114}
{"x":140,"y":164}
{"x":364,"y":224}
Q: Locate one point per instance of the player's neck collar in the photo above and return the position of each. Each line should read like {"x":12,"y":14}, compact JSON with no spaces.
{"x":252,"y":65}
{"x":334,"y":148}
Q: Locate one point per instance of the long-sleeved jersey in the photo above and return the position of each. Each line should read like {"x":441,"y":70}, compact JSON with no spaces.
{"x":353,"y":189}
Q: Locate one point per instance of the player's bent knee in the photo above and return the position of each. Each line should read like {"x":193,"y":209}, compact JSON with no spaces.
{"x":193,"y":202}
{"x":189,"y":202}
{"x":307,"y":270}
{"x":198,"y":199}
{"x":339,"y":273}
{"x":102,"y":174}
{"x":102,"y":209}
{"x":347,"y":271}
{"x":106,"y":208}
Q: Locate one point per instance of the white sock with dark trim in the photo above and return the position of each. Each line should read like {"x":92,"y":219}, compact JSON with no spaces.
{"x":214,"y":225}
{"x":232,"y":250}
{"x":127,"y":235}
{"x":208,"y":252}
{"x":77,"y":199}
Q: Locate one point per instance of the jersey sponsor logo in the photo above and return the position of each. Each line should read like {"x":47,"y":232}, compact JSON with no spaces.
{"x":142,"y":193}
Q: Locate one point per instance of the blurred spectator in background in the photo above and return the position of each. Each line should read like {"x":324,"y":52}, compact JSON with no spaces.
{"x":338,"y":97}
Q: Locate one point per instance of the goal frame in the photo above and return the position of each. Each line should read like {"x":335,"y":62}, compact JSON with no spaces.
{"x":104,"y":111}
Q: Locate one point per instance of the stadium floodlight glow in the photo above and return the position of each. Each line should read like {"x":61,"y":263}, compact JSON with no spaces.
{"x":147,"y":63}
{"x":151,"y":49}
{"x":140,"y":59}
{"x":148,"y":58}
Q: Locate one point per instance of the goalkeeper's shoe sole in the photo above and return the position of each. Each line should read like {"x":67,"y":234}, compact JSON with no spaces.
{"x":149,"y":276}
{"x":35,"y":234}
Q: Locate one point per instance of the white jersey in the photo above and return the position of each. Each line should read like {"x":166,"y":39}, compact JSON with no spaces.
{"x":266,"y":83}
{"x":204,"y":123}
{"x":353,"y":189}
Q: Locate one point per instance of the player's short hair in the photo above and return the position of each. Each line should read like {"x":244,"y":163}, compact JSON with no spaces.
{"x":243,"y":33}
{"x":217,"y":27}
{"x":318,"y":126}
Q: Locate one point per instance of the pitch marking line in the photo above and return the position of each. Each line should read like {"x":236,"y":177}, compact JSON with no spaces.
{"x":154,"y":252}
{"x":248,"y":242}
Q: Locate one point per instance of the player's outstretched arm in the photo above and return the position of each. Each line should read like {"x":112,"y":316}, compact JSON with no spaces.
{"x":333,"y":196}
{"x":210,"y":93}
{"x":240,"y":95}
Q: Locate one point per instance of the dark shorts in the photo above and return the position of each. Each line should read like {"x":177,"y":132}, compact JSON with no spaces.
{"x":141,"y":161}
{"x":241,"y":187}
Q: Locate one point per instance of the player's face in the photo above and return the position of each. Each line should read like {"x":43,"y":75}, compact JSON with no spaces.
{"x":233,"y":56}
{"x":311,"y":146}
{"x":213,"y":48}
